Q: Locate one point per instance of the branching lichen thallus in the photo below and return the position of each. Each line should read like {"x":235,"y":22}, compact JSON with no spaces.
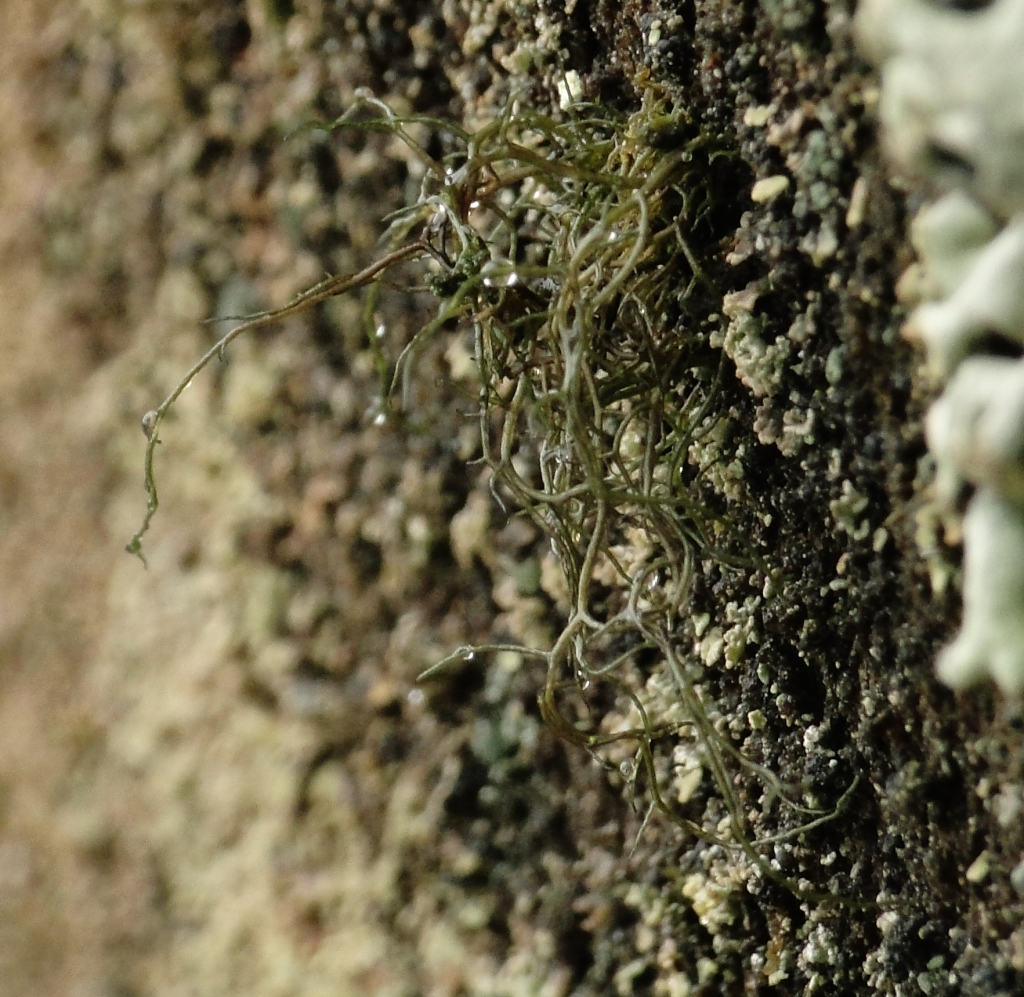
{"x":564,"y":245}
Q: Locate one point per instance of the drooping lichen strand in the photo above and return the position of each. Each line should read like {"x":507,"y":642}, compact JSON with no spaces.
{"x":569,"y":248}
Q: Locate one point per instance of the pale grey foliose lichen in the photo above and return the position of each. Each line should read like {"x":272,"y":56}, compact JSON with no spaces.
{"x":952,"y":115}
{"x":951,"y":85}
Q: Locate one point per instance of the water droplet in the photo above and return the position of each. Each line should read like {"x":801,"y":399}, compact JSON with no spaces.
{"x":380,"y":419}
{"x":381,"y":331}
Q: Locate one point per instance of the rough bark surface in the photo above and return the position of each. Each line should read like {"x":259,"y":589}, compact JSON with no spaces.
{"x":219,"y":776}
